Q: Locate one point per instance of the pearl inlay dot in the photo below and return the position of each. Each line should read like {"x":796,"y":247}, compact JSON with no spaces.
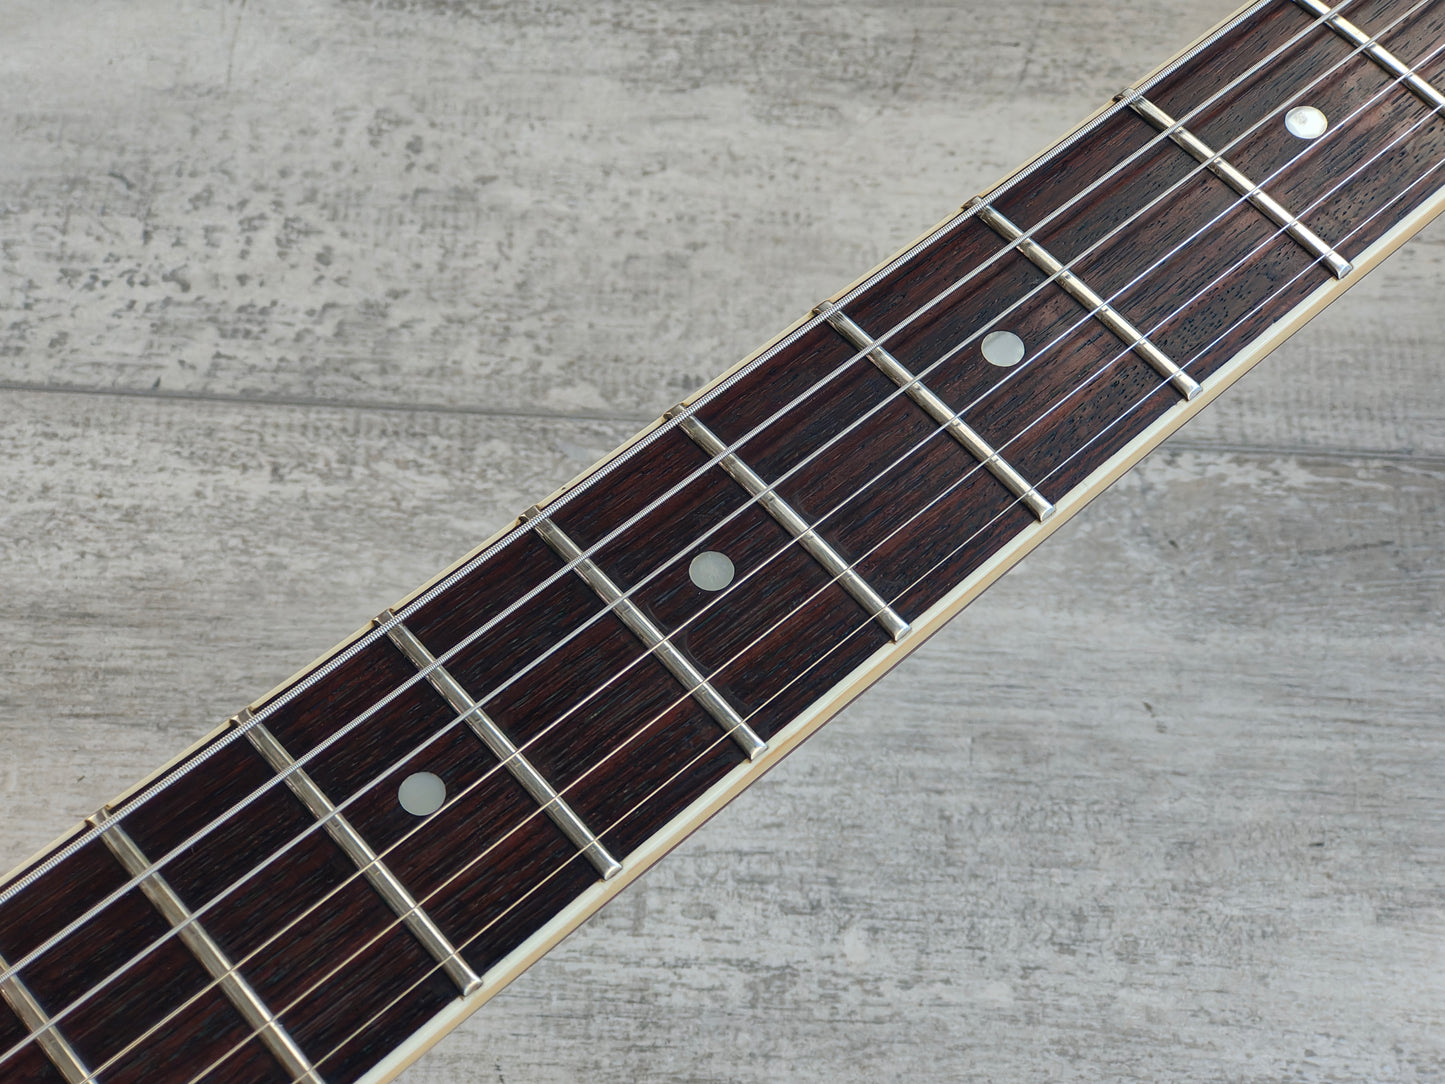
{"x":1306,"y":122}
{"x":421,"y":794}
{"x":711,"y":570}
{"x":1002,"y":348}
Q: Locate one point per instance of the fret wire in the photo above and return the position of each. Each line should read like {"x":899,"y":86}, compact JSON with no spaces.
{"x":1216,"y":164}
{"x":327,"y":667}
{"x":678,"y":664}
{"x":639,"y":804}
{"x":1098,"y":308}
{"x":787,"y":516}
{"x":938,"y":410}
{"x":388,"y":886}
{"x":511,"y":758}
{"x":209,"y":955}
{"x":966,"y":542}
{"x":42,"y":1029}
{"x":1372,"y":48}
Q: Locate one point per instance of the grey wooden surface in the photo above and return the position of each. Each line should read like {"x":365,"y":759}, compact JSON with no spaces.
{"x":300,"y":300}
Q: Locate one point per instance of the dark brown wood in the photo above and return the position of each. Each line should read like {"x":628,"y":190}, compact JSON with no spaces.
{"x":379,"y":670}
{"x":1380,"y":132}
{"x":474,"y":858}
{"x":869,"y":482}
{"x":29,"y":1063}
{"x":160,"y":987}
{"x":1413,"y":36}
{"x":288,"y":907}
{"x":761,"y":639}
{"x":29,"y":1066}
{"x":1167,"y":243}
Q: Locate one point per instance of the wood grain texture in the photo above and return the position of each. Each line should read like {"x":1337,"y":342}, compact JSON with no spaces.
{"x":1163,"y":804}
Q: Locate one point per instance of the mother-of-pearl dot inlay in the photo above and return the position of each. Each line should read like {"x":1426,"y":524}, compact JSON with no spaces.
{"x":1002,"y":348}
{"x":711,"y":570}
{"x":421,"y":794}
{"x":1306,"y":122}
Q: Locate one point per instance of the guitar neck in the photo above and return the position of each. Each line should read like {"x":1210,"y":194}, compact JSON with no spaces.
{"x":327,"y":884}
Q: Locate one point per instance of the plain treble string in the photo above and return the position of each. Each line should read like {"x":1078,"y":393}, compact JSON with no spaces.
{"x":1359,"y":169}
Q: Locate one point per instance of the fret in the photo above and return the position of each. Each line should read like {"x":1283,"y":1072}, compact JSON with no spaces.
{"x":21,"y":1058}
{"x":132,"y":1003}
{"x":881,"y":480}
{"x":412,"y":732}
{"x":601,"y":719}
{"x":284,"y":902}
{"x":1054,"y":414}
{"x":938,"y":410}
{"x":1409,"y":30}
{"x":777,"y":507}
{"x":1358,"y":178}
{"x":677,"y":663}
{"x":1376,"y":52}
{"x":488,"y":846}
{"x":1169,"y":244}
{"x":47,"y":1036}
{"x":1220,"y":167}
{"x":1098,"y":308}
{"x":386,"y":883}
{"x":520,"y":767}
{"x":386,"y":709}
{"x":207,"y":952}
{"x":783,"y":630}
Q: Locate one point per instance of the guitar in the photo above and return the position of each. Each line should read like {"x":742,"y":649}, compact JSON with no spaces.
{"x":964,"y":647}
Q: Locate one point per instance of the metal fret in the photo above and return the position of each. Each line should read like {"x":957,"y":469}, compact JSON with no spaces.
{"x":831,"y":560}
{"x":1183,"y":383}
{"x":387,"y":886}
{"x":210,"y":955}
{"x":42,"y":1029}
{"x":678,"y":664}
{"x":523,"y":771}
{"x":1215,"y":163}
{"x":1376,"y":52}
{"x":938,"y":410}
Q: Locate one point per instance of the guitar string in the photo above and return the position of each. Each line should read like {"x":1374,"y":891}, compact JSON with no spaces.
{"x":307,"y":680}
{"x":321,"y":671}
{"x":304,"y":682}
{"x":396,"y":1000}
{"x":1260,"y":65}
{"x":901,"y":458}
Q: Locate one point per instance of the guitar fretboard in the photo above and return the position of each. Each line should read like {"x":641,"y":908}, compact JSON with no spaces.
{"x":350,"y":863}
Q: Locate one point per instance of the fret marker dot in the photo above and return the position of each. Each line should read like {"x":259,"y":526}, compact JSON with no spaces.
{"x":1306,"y":122}
{"x":711,"y":570}
{"x":1002,"y":348}
{"x":421,"y":794}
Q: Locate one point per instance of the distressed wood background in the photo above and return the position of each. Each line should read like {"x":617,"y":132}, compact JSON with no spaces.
{"x":298,"y":301}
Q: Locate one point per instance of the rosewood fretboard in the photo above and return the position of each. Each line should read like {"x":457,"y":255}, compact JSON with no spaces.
{"x":330,"y":881}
